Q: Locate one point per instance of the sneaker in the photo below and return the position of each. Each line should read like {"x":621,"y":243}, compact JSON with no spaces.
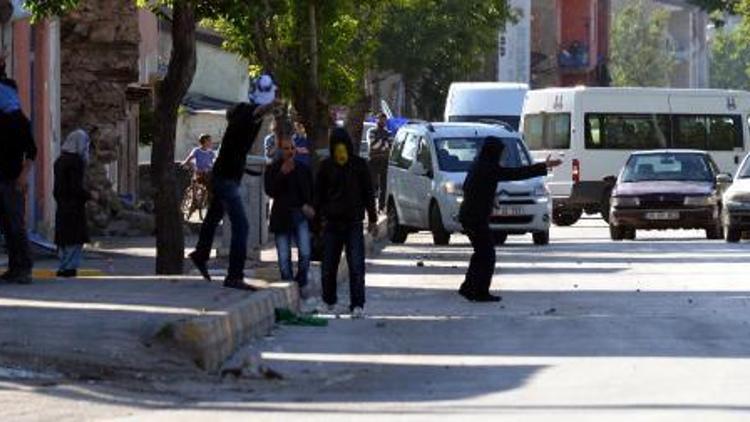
{"x":358,"y":312}
{"x":487,"y":297}
{"x":325,"y":308}
{"x":67,"y":273}
{"x":200,"y":264}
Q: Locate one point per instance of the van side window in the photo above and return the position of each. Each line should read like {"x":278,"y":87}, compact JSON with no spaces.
{"x":708,"y":132}
{"x":398,"y":145}
{"x":626,"y":131}
{"x":547,"y":131}
{"x":408,"y":151}
{"x":424,"y":156}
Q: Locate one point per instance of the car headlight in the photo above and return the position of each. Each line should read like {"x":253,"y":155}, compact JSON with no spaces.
{"x":698,"y":201}
{"x":541,"y":190}
{"x":625,"y":201}
{"x":452,"y":188}
{"x":737,"y":198}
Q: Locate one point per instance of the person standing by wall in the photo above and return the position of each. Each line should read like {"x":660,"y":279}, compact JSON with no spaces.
{"x":380,"y":150}
{"x":71,"y":230}
{"x":289,"y":183}
{"x":17,"y":153}
{"x":343,"y":194}
{"x":480,"y":187}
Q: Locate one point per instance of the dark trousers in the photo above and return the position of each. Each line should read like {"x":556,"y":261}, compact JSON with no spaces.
{"x":482,"y":264}
{"x":336,"y":237}
{"x":225,"y":198}
{"x":379,"y":176}
{"x":12,"y":210}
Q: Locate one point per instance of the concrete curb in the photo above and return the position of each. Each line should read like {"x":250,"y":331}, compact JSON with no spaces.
{"x":210,"y":340}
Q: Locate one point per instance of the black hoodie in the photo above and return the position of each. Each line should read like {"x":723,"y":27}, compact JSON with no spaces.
{"x":344,"y":193}
{"x":481,"y":182}
{"x":16,"y":140}
{"x":241,"y":132}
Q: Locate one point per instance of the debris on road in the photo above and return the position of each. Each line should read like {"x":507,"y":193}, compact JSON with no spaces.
{"x":550,"y":311}
{"x":420,"y":264}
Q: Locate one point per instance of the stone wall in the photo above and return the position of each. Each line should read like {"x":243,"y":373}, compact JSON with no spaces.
{"x":99,"y":52}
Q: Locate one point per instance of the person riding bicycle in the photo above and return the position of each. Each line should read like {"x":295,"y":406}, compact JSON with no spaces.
{"x":204,"y":157}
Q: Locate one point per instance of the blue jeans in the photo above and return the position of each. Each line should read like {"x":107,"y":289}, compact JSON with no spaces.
{"x":225,"y":198}
{"x":336,"y":238}
{"x":300,"y":234}
{"x":70,"y":257}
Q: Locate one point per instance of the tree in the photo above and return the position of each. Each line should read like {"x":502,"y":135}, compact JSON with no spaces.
{"x":184,"y":15}
{"x":730,"y":60}
{"x":318,"y":51}
{"x":640,"y":52}
{"x":432,"y":43}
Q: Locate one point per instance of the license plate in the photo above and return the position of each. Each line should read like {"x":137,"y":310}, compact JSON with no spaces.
{"x":508,"y":211}
{"x":662,"y":216}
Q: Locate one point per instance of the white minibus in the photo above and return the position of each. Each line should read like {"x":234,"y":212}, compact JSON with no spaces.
{"x":485,"y":102}
{"x":595,"y":129}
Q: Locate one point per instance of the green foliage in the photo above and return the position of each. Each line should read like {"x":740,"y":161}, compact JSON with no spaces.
{"x":432,"y":43}
{"x":730,"y":60}
{"x":276,"y":34}
{"x":639,"y":49}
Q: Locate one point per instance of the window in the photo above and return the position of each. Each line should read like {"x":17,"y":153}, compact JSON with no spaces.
{"x":547,"y":131}
{"x":398,"y":145}
{"x":668,"y":167}
{"x":708,"y":132}
{"x":626,"y":131}
{"x":424,"y":157}
{"x":408,"y":151}
{"x":458,"y":154}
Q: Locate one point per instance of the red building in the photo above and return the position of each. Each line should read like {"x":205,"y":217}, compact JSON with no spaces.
{"x":570,"y":42}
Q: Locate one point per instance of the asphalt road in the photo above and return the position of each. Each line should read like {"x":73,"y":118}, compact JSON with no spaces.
{"x":588,"y":329}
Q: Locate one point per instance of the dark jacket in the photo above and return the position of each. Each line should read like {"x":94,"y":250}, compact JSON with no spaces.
{"x":239,"y":137}
{"x":481,"y":182}
{"x":16,"y":144}
{"x":70,"y":219}
{"x":289,"y":192}
{"x":344,"y":193}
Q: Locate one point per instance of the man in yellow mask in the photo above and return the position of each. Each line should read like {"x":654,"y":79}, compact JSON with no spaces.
{"x":343,"y":195}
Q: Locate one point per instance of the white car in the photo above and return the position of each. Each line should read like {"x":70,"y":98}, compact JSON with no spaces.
{"x":736,"y":211}
{"x":427,"y":168}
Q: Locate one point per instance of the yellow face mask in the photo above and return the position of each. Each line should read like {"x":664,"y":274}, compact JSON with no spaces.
{"x":340,"y":154}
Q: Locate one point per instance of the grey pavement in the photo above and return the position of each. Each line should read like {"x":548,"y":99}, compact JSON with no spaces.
{"x":588,"y":329}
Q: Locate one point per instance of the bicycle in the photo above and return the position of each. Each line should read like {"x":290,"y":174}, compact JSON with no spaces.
{"x":196,"y":197}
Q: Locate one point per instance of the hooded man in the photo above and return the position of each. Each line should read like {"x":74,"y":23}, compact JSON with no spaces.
{"x":343,"y":194}
{"x":479,"y":189}
{"x":244,"y":123}
{"x":17,"y":152}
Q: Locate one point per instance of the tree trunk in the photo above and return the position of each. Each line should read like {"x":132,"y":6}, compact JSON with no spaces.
{"x":355,"y":121}
{"x":170,"y":240}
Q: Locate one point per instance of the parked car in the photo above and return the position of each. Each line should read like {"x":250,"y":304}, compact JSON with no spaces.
{"x":736,"y":215}
{"x":659,"y":190}
{"x":427,"y":168}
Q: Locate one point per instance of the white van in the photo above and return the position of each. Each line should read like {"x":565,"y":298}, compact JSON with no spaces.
{"x":485,"y":101}
{"x":426,"y":172}
{"x":594,"y":130}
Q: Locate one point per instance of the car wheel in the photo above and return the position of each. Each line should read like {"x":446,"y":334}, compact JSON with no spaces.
{"x":564,"y":216}
{"x":500,"y":238}
{"x":733,"y":234}
{"x":716,"y":232}
{"x":396,"y":232}
{"x":541,"y":238}
{"x":440,"y":236}
{"x":616,"y":232}
{"x":629,"y":233}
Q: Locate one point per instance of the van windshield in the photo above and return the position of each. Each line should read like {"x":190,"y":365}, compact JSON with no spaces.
{"x":668,"y":167}
{"x":512,"y":121}
{"x":458,"y":154}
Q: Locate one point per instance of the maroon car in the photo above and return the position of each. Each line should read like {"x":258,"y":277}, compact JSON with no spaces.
{"x":659,"y":190}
